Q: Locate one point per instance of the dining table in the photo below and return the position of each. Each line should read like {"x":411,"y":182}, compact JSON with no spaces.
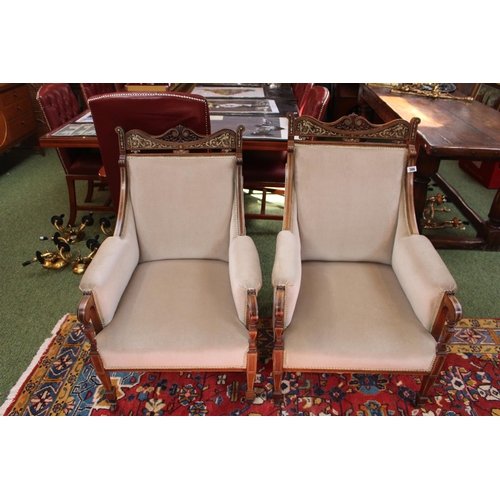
{"x":452,"y":127}
{"x":260,"y":108}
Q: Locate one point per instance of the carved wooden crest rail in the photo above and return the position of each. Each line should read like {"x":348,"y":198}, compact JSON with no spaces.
{"x":353,"y":128}
{"x":180,"y":139}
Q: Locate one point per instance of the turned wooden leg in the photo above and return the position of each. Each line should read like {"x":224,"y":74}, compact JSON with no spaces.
{"x":90,"y":191}
{"x":491,"y":230}
{"x":263,"y":204}
{"x":72,"y":201}
{"x":427,"y":166}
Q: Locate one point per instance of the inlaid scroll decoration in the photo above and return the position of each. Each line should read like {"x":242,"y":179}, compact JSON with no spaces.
{"x":353,"y":128}
{"x":181,"y":138}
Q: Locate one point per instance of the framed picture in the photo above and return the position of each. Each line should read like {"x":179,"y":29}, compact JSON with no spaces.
{"x":487,"y":93}
{"x":231,"y":92}
{"x":242,"y":106}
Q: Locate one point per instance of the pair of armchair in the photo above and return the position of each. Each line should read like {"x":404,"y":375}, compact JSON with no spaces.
{"x":357,"y":289}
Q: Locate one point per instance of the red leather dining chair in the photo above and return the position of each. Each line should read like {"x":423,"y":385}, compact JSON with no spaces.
{"x":153,"y":113}
{"x":91,"y":89}
{"x":301,"y":93}
{"x":58,"y":105}
{"x":265,"y":170}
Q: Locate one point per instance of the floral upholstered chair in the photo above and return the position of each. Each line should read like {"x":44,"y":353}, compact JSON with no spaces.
{"x":176,"y":287}
{"x":357,"y":288}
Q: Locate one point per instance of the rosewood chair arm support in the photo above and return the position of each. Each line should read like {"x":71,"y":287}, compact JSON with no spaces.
{"x":278,"y":351}
{"x":279,"y":313}
{"x":88,"y":315}
{"x":450,"y":311}
{"x":287,"y":272}
{"x":252,"y":316}
{"x":252,"y":313}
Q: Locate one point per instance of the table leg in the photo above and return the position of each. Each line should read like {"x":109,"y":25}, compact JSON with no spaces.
{"x":427,"y":166}
{"x":491,"y":229}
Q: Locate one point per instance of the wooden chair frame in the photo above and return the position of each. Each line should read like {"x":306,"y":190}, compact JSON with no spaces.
{"x":176,"y":141}
{"x":356,"y":130}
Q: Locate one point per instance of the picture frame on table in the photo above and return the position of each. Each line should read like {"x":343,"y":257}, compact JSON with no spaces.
{"x":488,"y":94}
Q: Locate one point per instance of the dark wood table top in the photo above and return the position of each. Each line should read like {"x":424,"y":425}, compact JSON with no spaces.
{"x":449,"y":128}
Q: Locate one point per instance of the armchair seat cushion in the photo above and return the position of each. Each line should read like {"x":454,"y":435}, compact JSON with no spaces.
{"x":149,"y":328}
{"x":354,"y":316}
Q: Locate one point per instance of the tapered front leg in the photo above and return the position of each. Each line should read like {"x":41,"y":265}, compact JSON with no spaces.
{"x":109,"y":388}
{"x":89,"y":317}
{"x":277,"y":372}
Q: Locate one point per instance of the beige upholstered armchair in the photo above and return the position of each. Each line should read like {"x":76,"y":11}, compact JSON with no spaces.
{"x":357,"y":288}
{"x":175,"y":287}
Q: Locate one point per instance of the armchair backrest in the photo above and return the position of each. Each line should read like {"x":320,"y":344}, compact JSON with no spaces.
{"x":184,"y":206}
{"x":347,"y":195}
{"x":58,"y":104}
{"x":151,"y":112}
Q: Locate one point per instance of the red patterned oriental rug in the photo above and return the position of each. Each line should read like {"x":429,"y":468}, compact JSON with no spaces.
{"x":62,"y":381}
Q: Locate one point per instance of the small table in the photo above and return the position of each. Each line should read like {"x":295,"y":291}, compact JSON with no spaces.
{"x":449,"y":129}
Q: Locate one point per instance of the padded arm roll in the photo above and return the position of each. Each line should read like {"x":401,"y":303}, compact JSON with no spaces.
{"x":244,"y":272}
{"x":287,"y":270}
{"x":423,"y":276}
{"x":109,"y":273}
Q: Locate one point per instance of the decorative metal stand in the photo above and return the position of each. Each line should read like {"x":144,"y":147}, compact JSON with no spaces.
{"x":67,"y":236}
{"x":434,"y":205}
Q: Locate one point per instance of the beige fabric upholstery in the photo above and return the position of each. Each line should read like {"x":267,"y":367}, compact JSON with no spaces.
{"x":166,"y":288}
{"x":338,"y":220}
{"x":355,"y":316}
{"x":176,"y":314}
{"x":182,"y":206}
{"x":244,"y":271}
{"x":369,"y":289}
{"x":287,"y":270}
{"x":421,"y":272}
{"x":423,"y":276}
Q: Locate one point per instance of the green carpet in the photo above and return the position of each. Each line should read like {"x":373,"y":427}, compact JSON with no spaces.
{"x":476,"y":272}
{"x":33,"y":189}
{"x":263,"y":233}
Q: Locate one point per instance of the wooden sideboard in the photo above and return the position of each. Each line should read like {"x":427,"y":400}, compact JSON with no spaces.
{"x":17,"y":120}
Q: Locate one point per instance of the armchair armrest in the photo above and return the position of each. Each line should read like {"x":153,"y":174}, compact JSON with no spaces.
{"x":287,"y":272}
{"x":244,"y":272}
{"x":423,"y":276}
{"x":109,"y":273}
